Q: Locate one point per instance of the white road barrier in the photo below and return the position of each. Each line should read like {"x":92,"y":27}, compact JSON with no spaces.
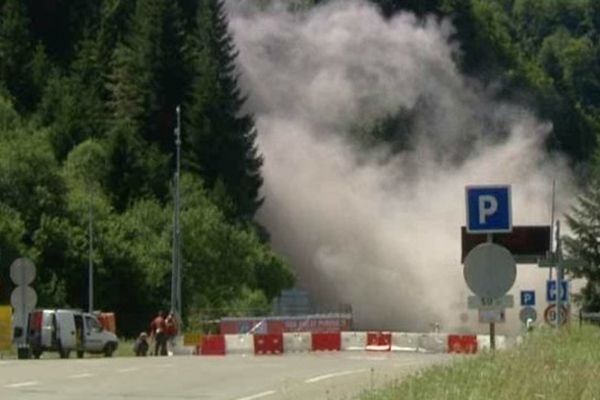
{"x":405,"y":341}
{"x":354,"y":341}
{"x":483,"y":342}
{"x":297,"y":342}
{"x":239,"y":344}
{"x":433,"y":342}
{"x":179,"y":349}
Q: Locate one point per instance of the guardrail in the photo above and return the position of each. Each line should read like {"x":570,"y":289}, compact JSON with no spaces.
{"x":588,"y":316}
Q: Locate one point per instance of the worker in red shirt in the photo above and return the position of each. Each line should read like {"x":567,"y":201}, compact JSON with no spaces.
{"x":159,"y":334}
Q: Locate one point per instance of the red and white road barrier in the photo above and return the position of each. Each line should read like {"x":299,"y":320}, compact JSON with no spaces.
{"x":279,"y":343}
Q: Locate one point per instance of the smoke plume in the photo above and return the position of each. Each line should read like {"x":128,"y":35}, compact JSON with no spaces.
{"x":365,"y":225}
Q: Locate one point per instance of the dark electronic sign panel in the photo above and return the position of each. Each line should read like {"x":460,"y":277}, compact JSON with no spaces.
{"x":526,"y":243}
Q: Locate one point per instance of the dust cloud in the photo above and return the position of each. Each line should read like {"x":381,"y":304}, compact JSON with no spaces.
{"x":378,"y":229}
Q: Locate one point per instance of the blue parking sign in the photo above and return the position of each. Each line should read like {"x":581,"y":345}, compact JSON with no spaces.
{"x":488,"y":209}
{"x":551,"y":291}
{"x":527,"y":297}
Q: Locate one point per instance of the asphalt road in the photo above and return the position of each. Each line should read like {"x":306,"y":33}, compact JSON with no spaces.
{"x":292,"y":376}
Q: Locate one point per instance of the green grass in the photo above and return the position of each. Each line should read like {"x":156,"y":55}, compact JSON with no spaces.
{"x":125,"y":348}
{"x":548,"y":365}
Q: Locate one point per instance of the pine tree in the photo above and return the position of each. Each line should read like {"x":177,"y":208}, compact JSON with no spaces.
{"x":221,"y":137}
{"x":146,"y":83}
{"x":149,"y":72}
{"x":72,"y":105}
{"x":16,"y":53}
{"x":584,"y":242}
{"x":136,"y":169}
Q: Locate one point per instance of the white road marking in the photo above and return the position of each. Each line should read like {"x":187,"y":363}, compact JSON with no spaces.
{"x":334,"y":375}
{"x":79,"y":376}
{"x":4,"y":362}
{"x":258,"y":395}
{"x":122,"y":370}
{"x":21,"y":384}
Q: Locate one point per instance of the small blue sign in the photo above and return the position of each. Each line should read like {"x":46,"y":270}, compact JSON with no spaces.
{"x":488,"y":209}
{"x":528,"y":297}
{"x":551,"y":291}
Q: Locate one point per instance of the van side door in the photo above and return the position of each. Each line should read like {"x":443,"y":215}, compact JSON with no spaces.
{"x":65,"y":324}
{"x":48,"y":334}
{"x":94,"y":342}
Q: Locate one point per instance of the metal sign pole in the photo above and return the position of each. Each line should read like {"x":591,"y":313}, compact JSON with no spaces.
{"x":552,"y":224}
{"x":23,"y":309}
{"x":490,"y":239}
{"x":559,"y":275}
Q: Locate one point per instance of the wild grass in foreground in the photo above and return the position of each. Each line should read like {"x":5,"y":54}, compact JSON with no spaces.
{"x":549,"y":365}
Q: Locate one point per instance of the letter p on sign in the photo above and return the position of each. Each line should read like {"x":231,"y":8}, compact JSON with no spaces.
{"x":488,"y":205}
{"x":488,"y":209}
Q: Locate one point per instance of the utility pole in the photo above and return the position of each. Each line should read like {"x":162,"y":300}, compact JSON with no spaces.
{"x":176,"y":258}
{"x":90,"y":253}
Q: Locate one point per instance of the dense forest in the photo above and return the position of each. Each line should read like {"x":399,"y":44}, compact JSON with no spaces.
{"x":88,"y":92}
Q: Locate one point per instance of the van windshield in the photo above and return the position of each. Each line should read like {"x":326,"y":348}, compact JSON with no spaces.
{"x":92,"y":324}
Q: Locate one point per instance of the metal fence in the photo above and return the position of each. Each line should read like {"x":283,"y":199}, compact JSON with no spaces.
{"x":591,"y":317}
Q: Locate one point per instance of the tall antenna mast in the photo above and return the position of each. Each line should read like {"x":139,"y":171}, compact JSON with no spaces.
{"x":176,"y":267}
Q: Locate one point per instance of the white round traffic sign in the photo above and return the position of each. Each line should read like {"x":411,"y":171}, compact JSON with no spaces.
{"x":490,"y":270}
{"x":22,"y":271}
{"x":527,"y":313}
{"x":550,"y":315}
{"x":23,"y":297}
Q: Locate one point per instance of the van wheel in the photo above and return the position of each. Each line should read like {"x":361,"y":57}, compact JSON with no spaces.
{"x":109,"y":349}
{"x":80,"y":354}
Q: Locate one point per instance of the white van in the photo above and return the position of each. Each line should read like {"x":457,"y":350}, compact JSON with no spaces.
{"x":68,"y":330}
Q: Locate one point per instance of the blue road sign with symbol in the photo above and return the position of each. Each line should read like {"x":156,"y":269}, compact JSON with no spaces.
{"x":551,"y":291}
{"x":527,"y":297}
{"x":488,"y":209}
